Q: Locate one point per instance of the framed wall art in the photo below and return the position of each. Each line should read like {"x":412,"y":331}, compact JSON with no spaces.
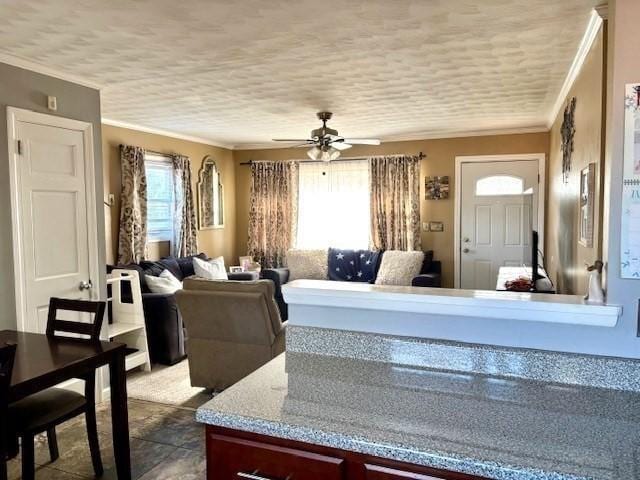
{"x":587,"y":194}
{"x":436,"y":188}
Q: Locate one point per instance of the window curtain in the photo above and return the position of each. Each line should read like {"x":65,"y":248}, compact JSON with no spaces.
{"x":395,"y":206}
{"x":185,"y":230}
{"x":132,"y":236}
{"x":333,"y":205}
{"x":272,"y":212}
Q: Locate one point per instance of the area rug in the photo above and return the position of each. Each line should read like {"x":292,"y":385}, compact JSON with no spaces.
{"x":168,"y":385}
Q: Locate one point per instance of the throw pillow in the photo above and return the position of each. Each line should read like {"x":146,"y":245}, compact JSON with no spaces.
{"x":307,"y":264}
{"x":399,"y":268}
{"x":210,"y":270}
{"x":163,"y":283}
{"x":353,"y":265}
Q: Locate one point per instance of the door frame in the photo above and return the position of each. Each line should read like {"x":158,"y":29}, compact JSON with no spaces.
{"x":15,"y":115}
{"x":457,"y":180}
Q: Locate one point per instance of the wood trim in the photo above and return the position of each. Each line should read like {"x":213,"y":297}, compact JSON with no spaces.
{"x":356,"y":464}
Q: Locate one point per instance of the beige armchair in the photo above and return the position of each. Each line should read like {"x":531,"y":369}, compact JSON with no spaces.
{"x":233,"y":328}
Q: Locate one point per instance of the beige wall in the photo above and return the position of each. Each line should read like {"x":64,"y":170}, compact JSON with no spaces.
{"x":566,"y":258}
{"x":213,"y":242}
{"x":440,"y":160}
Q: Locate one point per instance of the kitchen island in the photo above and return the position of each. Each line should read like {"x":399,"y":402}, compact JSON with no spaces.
{"x":380,"y":420}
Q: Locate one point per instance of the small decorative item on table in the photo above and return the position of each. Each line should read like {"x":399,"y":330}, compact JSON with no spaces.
{"x":436,"y":188}
{"x":236,"y":269}
{"x":520,"y":284}
{"x":245,"y":262}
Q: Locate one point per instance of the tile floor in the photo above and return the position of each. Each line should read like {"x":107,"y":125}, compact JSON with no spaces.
{"x":166,"y":443}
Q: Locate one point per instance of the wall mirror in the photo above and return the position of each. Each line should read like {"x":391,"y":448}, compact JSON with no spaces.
{"x":210,"y":196}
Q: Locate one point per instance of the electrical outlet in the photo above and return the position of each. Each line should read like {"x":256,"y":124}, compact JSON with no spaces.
{"x":111,"y":199}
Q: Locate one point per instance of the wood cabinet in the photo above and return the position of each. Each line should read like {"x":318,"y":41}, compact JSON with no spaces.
{"x":236,"y":455}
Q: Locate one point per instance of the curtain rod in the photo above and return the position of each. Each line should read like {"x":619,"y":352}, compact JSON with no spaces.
{"x":420,"y":156}
{"x":152,"y":152}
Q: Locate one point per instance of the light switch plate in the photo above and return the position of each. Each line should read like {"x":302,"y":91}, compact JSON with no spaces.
{"x":425,"y":226}
{"x":52,"y":103}
{"x":111,"y":199}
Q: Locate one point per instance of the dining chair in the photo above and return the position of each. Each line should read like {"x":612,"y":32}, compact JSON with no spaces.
{"x":7,"y":355}
{"x":43,"y":411}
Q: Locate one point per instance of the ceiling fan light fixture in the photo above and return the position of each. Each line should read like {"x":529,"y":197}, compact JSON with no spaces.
{"x":314,"y":153}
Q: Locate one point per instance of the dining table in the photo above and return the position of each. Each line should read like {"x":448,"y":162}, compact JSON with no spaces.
{"x":43,"y":361}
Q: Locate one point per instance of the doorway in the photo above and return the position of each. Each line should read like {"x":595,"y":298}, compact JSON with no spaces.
{"x":53,"y":202}
{"x":499,"y":200}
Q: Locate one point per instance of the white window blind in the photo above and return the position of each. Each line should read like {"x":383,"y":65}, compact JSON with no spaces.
{"x":333,"y":205}
{"x":160,"y":198}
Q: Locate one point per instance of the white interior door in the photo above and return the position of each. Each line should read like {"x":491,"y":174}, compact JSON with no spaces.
{"x":52,"y":222}
{"x":498,"y":211}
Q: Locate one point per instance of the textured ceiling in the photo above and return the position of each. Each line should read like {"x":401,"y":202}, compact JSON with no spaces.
{"x":247,"y":71}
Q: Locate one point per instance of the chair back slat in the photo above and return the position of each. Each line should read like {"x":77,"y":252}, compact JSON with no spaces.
{"x":91,"y":329}
{"x":7,"y":356}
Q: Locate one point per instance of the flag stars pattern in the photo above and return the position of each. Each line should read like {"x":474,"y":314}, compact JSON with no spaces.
{"x":352,"y":265}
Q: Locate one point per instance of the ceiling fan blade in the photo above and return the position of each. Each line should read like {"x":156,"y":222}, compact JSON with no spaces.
{"x":362,"y":141}
{"x":298,"y":140}
{"x":340,"y":145}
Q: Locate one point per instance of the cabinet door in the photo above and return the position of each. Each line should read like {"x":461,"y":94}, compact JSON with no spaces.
{"x":231,"y":458}
{"x":375,"y":472}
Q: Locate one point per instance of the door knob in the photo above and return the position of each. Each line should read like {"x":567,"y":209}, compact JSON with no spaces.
{"x":465,"y":250}
{"x":85,"y":285}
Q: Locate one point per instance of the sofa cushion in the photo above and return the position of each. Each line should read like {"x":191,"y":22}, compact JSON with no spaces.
{"x":186,"y":264}
{"x":210,"y":269}
{"x":399,"y":268}
{"x":426,"y":263}
{"x":307,"y":264}
{"x":353,"y":265}
{"x":171,"y":264}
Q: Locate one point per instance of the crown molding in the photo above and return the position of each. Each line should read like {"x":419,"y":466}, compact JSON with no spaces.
{"x":413,"y":137}
{"x":165,"y":133}
{"x":44,"y":70}
{"x":595,"y":22}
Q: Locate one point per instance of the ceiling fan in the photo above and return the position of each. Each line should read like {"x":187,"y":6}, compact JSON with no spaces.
{"x":325,"y":142}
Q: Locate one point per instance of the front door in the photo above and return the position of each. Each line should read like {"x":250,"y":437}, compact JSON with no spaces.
{"x":498,"y":211}
{"x":55,"y":248}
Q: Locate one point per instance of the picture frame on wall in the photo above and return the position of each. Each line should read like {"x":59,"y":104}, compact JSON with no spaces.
{"x":436,"y":187}
{"x":587,"y":186}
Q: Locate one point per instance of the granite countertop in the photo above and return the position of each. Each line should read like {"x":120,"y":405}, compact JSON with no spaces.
{"x":501,"y":428}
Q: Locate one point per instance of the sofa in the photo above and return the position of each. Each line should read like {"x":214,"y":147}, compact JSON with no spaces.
{"x":430,"y":274}
{"x":166,"y":334}
{"x":234,"y":328}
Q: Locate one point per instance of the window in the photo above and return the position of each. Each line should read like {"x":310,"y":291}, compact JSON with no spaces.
{"x":160,"y":198}
{"x":500,"y":185}
{"x":333,"y":205}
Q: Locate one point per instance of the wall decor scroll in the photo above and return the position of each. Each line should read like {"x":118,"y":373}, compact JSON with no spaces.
{"x":630,"y":235}
{"x":568,"y":130}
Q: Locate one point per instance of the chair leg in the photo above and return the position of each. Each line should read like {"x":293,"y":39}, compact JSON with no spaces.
{"x":28,"y":458}
{"x":52,"y":440}
{"x":94,"y":445}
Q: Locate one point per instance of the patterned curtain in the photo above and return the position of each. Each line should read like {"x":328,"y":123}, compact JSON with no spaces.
{"x":185,"y":231}
{"x":132,"y":238}
{"x":395,"y":205}
{"x":272,"y":212}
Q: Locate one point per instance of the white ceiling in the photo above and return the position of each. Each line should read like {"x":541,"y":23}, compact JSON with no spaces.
{"x":240,"y":73}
